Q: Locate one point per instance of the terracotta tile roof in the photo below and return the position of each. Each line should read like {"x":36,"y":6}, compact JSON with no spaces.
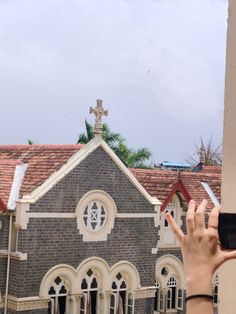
{"x":43,"y":160}
{"x":159,"y":183}
{"x":211,"y":169}
{"x":7,"y":170}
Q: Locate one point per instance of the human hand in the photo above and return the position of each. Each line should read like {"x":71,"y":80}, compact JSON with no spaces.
{"x":200,"y":247}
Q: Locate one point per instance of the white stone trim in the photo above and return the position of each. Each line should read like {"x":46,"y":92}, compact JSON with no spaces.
{"x":145,"y":293}
{"x":179,"y":213}
{"x":26,"y":304}
{"x":103,"y":272}
{"x":23,"y":216}
{"x":111,"y":213}
{"x":175,"y":267}
{"x":105,"y":276}
{"x":129,"y":272}
{"x":74,"y":161}
{"x":66,"y":271}
{"x":14,"y":255}
{"x":136,"y":215}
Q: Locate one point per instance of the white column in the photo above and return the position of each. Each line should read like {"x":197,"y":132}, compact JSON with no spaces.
{"x":227,"y":274}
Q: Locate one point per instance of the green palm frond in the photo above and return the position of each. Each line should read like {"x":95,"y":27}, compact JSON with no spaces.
{"x":131,"y":158}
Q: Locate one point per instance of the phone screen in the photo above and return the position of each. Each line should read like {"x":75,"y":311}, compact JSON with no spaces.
{"x":227,"y":230}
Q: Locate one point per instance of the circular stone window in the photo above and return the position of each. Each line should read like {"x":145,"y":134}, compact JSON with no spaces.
{"x":94,"y":216}
{"x":96,"y":213}
{"x":164,"y":271}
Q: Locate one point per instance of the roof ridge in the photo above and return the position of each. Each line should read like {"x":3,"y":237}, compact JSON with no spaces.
{"x":49,"y":146}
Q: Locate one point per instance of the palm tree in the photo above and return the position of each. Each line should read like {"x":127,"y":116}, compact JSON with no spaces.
{"x":109,"y":137}
{"x":30,"y":142}
{"x":130,"y":157}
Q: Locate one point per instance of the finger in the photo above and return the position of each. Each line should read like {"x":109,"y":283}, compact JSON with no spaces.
{"x":200,"y":216}
{"x":229,"y":255}
{"x":175,"y":228}
{"x":190,"y":223}
{"x":213,"y":218}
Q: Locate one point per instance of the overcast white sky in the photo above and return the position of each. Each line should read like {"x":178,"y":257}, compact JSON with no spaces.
{"x":158,"y":65}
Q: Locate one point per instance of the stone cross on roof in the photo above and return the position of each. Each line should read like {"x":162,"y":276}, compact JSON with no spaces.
{"x":98,"y":112}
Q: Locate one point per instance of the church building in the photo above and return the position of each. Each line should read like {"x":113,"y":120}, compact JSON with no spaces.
{"x":80,"y":233}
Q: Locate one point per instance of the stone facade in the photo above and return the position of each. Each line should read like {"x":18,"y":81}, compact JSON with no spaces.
{"x":49,"y":242}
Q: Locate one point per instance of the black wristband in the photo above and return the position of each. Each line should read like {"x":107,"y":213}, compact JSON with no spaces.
{"x":195,"y":296}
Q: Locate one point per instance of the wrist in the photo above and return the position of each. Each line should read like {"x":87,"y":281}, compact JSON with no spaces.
{"x":197,"y":285}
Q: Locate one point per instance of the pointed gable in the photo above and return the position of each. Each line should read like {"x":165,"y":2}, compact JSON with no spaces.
{"x":43,"y":160}
{"x":164,"y":183}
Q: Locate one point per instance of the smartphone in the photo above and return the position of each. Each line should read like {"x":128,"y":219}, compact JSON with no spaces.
{"x":227,"y":231}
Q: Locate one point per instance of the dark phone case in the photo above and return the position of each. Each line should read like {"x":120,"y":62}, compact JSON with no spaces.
{"x":227,"y":231}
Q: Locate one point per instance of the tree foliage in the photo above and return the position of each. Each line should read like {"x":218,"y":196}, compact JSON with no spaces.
{"x":130,"y":157}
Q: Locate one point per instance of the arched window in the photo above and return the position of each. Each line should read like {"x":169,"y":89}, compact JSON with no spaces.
{"x":89,"y":286}
{"x":157,"y":296}
{"x":169,"y":284}
{"x":171,"y":294}
{"x":121,"y":301}
{"x":167,"y":237}
{"x":171,"y":209}
{"x":58,"y":293}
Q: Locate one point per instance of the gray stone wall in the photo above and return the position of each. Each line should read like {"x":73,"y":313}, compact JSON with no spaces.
{"x":45,"y":311}
{"x":3,"y":246}
{"x":3,"y":273}
{"x":97,"y":171}
{"x":144,"y":306}
{"x":4,"y":232}
{"x":49,"y":242}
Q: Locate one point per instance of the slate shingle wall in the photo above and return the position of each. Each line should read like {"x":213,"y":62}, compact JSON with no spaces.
{"x":144,"y":306}
{"x":51,"y":242}
{"x":3,"y":273}
{"x":97,"y":171}
{"x":3,"y":246}
{"x":4,"y":232}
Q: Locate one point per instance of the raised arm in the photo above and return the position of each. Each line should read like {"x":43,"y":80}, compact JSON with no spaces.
{"x":202,"y":255}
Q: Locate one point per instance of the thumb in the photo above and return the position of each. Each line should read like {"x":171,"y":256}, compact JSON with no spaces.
{"x":229,"y":255}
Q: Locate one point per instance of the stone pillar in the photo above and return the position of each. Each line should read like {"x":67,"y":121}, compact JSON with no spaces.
{"x":227,"y":274}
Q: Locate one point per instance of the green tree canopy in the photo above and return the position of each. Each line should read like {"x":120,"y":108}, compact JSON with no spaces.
{"x":130,"y":157}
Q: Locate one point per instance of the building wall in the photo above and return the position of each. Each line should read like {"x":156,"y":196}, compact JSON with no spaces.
{"x":228,"y":271}
{"x":49,"y":242}
{"x":3,"y":246}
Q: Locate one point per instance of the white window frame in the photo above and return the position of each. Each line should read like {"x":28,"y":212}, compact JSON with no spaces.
{"x":83,"y":310}
{"x":111,"y":212}
{"x":161,"y":301}
{"x":86,"y":292}
{"x":174,"y":205}
{"x":179,"y":299}
{"x":114,"y":309}
{"x":57,"y":288}
{"x":130,"y":306}
{"x":168,"y":299}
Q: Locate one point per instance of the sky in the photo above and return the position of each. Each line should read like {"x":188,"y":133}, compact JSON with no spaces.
{"x":158,"y":66}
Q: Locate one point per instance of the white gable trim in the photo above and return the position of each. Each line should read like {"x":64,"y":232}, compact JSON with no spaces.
{"x":74,"y":161}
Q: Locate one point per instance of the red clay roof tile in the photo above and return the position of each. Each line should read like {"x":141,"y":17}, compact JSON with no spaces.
{"x":159,"y":183}
{"x":43,"y":160}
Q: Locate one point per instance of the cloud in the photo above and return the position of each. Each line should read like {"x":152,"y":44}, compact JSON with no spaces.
{"x":158,"y":65}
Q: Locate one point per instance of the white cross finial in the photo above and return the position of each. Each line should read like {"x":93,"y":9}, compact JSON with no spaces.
{"x":98,"y":112}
